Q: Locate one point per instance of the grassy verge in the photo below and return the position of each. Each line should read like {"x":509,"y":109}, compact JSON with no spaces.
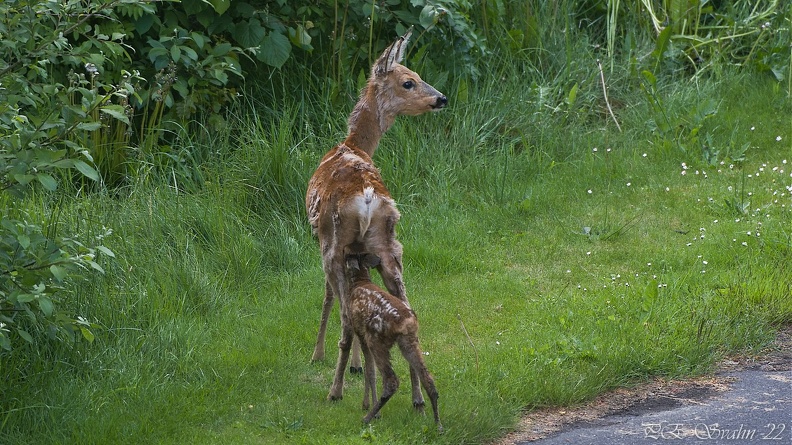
{"x":577,"y":258}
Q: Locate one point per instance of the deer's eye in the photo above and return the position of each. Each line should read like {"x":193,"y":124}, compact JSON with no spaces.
{"x":408,"y":85}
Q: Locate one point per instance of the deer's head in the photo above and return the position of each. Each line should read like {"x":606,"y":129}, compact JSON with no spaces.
{"x":401,"y":90}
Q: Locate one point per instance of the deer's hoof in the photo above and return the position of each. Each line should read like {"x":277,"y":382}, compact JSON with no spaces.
{"x":369,"y":418}
{"x":419,"y":406}
{"x":356,"y":370}
{"x":334,"y":397}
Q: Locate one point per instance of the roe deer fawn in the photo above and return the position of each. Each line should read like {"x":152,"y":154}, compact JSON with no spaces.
{"x":347,"y":201}
{"x":381,"y":320}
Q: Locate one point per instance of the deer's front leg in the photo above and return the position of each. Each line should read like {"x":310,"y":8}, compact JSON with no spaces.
{"x":319,"y":348}
{"x":337,"y":389}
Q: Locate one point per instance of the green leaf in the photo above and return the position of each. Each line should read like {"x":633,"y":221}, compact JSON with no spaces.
{"x":24,"y":179}
{"x":175,"y":53}
{"x":116,"y":111}
{"x":428,"y":16}
{"x":778,"y":72}
{"x":105,"y":251}
{"x":5,"y":343}
{"x":649,"y":77}
{"x":221,"y":49}
{"x":572,"y":96}
{"x":220,"y":6}
{"x":651,"y":290}
{"x":87,"y":334}
{"x":96,"y":266}
{"x":24,"y":241}
{"x":157,"y":52}
{"x":47,"y":181}
{"x":89,"y":126}
{"x":300,"y":37}
{"x":86,"y":169}
{"x":662,"y":44}
{"x":199,"y":39}
{"x":250,"y":33}
{"x":58,"y":272}
{"x":190,"y":53}
{"x":143,"y":24}
{"x":86,"y":155}
{"x":25,"y":298}
{"x":275,"y":50}
{"x":24,"y":334}
{"x":46,"y":306}
{"x":463,"y":93}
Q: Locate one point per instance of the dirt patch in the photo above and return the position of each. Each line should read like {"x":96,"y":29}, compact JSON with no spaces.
{"x":656,"y":396}
{"x":775,"y":358}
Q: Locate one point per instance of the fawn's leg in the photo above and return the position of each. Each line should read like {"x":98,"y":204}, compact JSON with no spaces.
{"x":355,"y":366}
{"x":369,"y":377}
{"x":412,"y":353}
{"x":390,"y":382}
{"x":390,"y":270}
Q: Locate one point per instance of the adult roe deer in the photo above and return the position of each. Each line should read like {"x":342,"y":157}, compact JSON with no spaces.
{"x":381,"y":320}
{"x":348,"y":202}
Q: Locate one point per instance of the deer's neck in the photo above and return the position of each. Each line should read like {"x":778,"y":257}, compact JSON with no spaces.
{"x":369,"y":121}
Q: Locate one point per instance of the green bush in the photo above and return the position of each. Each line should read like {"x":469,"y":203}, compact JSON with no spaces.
{"x":35,"y":269}
{"x":52,"y":103}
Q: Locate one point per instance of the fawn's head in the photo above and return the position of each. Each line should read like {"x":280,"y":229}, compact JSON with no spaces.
{"x":401,"y":90}
{"x":358,"y":265}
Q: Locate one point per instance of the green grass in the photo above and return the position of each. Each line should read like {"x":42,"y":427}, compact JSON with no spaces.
{"x":210,"y":309}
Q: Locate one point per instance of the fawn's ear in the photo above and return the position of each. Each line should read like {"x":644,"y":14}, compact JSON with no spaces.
{"x":392,"y":54}
{"x":352,"y":262}
{"x":371,"y":260}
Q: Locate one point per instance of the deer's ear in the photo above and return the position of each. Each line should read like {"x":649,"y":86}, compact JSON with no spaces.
{"x":371,"y":260}
{"x":392,"y":54}
{"x":401,"y":46}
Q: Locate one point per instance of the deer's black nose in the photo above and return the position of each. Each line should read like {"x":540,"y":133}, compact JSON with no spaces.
{"x":442,"y":101}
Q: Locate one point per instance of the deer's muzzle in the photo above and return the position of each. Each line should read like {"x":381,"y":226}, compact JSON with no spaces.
{"x":441,"y":102}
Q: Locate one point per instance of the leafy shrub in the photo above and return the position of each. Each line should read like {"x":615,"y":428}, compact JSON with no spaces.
{"x":35,"y":269}
{"x":49,"y":114}
{"x":347,"y":34}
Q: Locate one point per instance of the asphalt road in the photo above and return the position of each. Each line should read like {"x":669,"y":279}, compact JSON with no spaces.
{"x":756,"y":408}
